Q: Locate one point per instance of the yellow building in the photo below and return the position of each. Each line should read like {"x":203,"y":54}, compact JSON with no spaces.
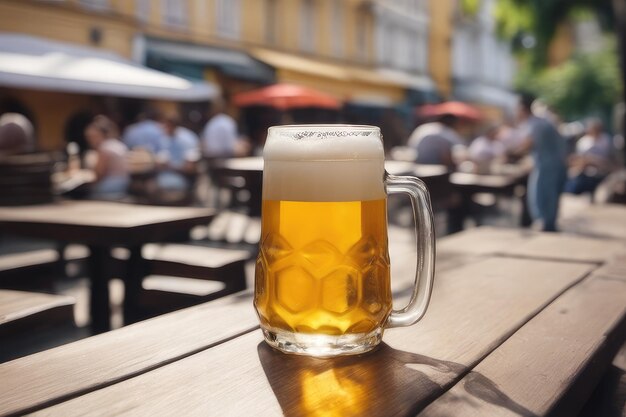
{"x":238,"y":44}
{"x":440,"y":47}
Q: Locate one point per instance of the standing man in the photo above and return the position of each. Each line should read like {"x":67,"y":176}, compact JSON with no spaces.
{"x":549,"y":153}
{"x":219,"y":137}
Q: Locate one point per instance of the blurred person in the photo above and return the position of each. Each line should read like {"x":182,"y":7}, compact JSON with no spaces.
{"x":548,"y":176}
{"x":510,"y":136}
{"x":219,"y":137}
{"x":147,"y":133}
{"x":16,"y":134}
{"x":178,"y":160}
{"x":486,"y":149}
{"x":111,"y":170}
{"x":592,"y":161}
{"x":435,"y":142}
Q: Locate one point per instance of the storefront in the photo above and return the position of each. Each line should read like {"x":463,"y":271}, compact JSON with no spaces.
{"x":56,"y":83}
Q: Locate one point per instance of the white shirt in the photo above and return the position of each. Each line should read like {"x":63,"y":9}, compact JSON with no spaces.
{"x":116,"y":152}
{"x":146,"y":134}
{"x":219,"y":136}
{"x":431,"y":140}
{"x":181,"y":148}
{"x":484,"y":150}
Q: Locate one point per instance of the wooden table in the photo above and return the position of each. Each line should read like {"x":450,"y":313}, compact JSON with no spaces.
{"x":600,"y":220}
{"x":515,"y":328}
{"x":251,"y":170}
{"x":102,"y":225}
{"x":505,"y":184}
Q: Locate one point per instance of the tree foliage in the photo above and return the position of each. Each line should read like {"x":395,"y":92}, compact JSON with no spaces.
{"x":541,"y":19}
{"x":586,"y":84}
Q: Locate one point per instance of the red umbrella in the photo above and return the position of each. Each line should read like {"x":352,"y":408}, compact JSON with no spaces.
{"x":455,"y":108}
{"x":286,"y":96}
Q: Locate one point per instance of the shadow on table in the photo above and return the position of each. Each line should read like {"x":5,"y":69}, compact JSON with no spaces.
{"x":384,"y":382}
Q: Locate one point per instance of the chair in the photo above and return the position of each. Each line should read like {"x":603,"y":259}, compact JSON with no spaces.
{"x":26,"y":179}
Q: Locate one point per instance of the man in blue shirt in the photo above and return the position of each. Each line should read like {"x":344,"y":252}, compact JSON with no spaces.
{"x":549,"y":173}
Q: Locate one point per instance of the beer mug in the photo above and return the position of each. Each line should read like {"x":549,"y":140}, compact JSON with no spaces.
{"x":322,"y":281}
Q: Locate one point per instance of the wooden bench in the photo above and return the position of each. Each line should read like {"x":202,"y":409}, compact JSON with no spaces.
{"x":180,"y":275}
{"x":26,"y":317}
{"x":35,"y":269}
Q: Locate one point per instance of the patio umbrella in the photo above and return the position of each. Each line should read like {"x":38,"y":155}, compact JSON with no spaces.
{"x":286,"y":97}
{"x":455,"y":108}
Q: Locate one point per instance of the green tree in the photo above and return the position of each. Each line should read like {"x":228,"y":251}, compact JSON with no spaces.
{"x":518,"y":19}
{"x":583,"y":85}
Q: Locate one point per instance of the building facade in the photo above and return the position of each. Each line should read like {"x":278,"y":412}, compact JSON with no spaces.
{"x":373,"y":53}
{"x":483,"y":65}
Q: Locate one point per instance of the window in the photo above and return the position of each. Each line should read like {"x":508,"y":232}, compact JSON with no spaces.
{"x":228,"y":18}
{"x":362,"y":49}
{"x":415,"y":47}
{"x":337,"y":28}
{"x":384,"y":44}
{"x":174,"y":12}
{"x":96,"y":4}
{"x":142,"y":10}
{"x":271,"y":21}
{"x":307,"y":26}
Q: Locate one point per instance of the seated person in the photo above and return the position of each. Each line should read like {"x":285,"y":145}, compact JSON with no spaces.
{"x":177,"y":162}
{"x":435,"y":142}
{"x":112,"y":177}
{"x":146,"y":134}
{"x":486,"y":149}
{"x":16,"y":134}
{"x":593,"y":160}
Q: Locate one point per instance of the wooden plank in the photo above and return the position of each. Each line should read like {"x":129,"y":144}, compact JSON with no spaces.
{"x":485,"y":240}
{"x":17,"y":305}
{"x":602,"y":220}
{"x":552,"y":363}
{"x":474,"y":309}
{"x":566,"y":248}
{"x":614,"y":267}
{"x":101,"y":222}
{"x":101,"y":360}
{"x":531,"y":244}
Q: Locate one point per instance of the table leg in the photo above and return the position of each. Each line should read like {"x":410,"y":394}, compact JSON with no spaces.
{"x":458,"y":212}
{"x":525,"y":217}
{"x":135,"y":272}
{"x":99,"y":260}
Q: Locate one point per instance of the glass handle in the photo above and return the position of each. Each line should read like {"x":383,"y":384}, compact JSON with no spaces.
{"x":425,"y":240}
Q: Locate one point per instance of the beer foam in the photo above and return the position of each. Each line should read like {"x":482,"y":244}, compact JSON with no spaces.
{"x":323,"y":163}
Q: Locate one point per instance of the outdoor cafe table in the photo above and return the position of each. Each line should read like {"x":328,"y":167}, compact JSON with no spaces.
{"x":251,"y":169}
{"x":503,"y":184}
{"x":101,"y":226}
{"x":521,"y":324}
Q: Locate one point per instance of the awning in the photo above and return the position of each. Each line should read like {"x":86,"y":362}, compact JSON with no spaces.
{"x":371,"y":85}
{"x":484,"y":94}
{"x":296,"y":63}
{"x":234,"y":63}
{"x":40,"y":64}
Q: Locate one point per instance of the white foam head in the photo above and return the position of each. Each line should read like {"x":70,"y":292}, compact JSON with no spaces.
{"x":323,"y":163}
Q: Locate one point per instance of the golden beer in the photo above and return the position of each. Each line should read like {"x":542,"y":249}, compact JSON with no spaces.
{"x":323,"y":267}
{"x":322,"y":284}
